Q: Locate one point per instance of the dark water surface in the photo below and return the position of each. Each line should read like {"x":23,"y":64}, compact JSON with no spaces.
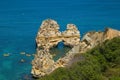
{"x":20,"y":20}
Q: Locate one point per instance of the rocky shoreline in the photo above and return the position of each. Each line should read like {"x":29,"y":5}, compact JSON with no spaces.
{"x":49,"y":36}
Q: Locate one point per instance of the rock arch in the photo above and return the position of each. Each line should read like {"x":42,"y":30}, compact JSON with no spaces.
{"x":47,"y":37}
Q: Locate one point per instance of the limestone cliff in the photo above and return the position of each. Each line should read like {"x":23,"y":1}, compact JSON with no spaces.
{"x":49,"y":36}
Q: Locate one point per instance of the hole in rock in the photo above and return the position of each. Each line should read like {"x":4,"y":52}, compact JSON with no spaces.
{"x":59,"y":51}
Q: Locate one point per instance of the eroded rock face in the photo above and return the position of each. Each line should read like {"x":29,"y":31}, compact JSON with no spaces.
{"x":71,"y":35}
{"x":49,"y":36}
{"x":111,"y":33}
{"x":91,"y":39}
{"x":42,"y":63}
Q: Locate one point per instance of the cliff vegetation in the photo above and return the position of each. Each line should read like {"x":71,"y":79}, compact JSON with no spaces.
{"x":100,"y":63}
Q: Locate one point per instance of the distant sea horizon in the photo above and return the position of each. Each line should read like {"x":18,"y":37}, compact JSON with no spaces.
{"x":21,"y":19}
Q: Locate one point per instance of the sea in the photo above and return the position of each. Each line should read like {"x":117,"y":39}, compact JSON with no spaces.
{"x":21,"y":19}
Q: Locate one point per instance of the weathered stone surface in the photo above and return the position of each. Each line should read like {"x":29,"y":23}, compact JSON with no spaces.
{"x":91,"y":39}
{"x":42,"y":63}
{"x":111,"y":33}
{"x":49,"y":36}
{"x":71,"y":35}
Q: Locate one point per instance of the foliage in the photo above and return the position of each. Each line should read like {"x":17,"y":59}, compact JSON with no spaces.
{"x":100,"y":63}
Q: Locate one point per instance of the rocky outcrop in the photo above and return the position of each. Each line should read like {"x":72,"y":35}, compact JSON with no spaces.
{"x":42,"y":64}
{"x":71,"y":35}
{"x":111,"y":33}
{"x":91,"y":39}
{"x":49,"y":36}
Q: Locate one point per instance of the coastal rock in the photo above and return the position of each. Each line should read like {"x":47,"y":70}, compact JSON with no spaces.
{"x":91,"y":39}
{"x":49,"y":36}
{"x":22,"y":60}
{"x":6,"y":54}
{"x":42,"y":63}
{"x":111,"y":33}
{"x":71,"y":35}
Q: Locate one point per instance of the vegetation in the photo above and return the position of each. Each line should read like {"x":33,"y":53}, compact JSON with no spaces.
{"x":100,"y":63}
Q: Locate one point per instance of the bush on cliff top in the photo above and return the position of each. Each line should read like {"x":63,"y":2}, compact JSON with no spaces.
{"x":100,"y":63}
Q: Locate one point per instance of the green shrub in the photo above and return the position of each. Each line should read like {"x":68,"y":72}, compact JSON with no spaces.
{"x":100,"y":63}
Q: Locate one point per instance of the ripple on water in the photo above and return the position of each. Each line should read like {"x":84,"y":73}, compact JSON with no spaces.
{"x":12,"y":69}
{"x":7,"y":64}
{"x":2,"y":77}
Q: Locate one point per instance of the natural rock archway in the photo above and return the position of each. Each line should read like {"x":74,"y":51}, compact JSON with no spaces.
{"x":49,"y":36}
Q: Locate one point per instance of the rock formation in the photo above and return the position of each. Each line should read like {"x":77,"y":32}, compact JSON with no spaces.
{"x":49,"y":36}
{"x":111,"y":33}
{"x":42,"y":64}
{"x":91,"y":39}
{"x":71,"y":35}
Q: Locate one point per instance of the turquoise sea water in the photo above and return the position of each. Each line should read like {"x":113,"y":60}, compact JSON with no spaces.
{"x":20,"y":20}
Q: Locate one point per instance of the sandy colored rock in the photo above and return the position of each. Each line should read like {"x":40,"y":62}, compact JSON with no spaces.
{"x":6,"y":54}
{"x":49,"y":30}
{"x":91,"y":39}
{"x":71,"y":35}
{"x":49,"y":36}
{"x":111,"y":33}
{"x":42,"y":63}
